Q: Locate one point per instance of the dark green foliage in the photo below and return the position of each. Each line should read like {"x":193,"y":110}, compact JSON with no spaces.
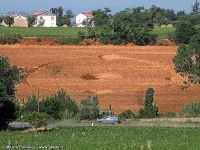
{"x":31,"y":21}
{"x":192,"y":109}
{"x":195,"y":8}
{"x":58,"y":105}
{"x":31,"y":104}
{"x":62,"y":17}
{"x":36,"y":119}
{"x":1,"y":19}
{"x":184,"y":31}
{"x":149,"y":110}
{"x":127,"y":114}
{"x":8,"y":20}
{"x":69,"y":40}
{"x":187,"y":60}
{"x":7,"y":112}
{"x":133,"y":26}
{"x":10,"y":38}
{"x":9,"y":77}
{"x":170,"y":115}
{"x":89,"y":108}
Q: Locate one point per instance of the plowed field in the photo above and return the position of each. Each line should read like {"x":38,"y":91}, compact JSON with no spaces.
{"x":119,"y":75}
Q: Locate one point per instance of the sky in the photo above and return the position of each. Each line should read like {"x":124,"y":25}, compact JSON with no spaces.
{"x":89,"y":5}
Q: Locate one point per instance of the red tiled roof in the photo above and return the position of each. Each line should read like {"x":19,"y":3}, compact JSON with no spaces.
{"x":39,"y":13}
{"x":88,"y":14}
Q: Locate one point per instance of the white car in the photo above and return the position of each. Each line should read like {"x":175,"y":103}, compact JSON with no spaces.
{"x":109,"y":119}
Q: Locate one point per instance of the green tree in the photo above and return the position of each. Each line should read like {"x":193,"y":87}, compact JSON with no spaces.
{"x":58,"y":104}
{"x":1,"y":19}
{"x":195,"y":8}
{"x":9,"y":77}
{"x":89,"y":108}
{"x":187,"y":59}
{"x":150,"y":110}
{"x":9,"y":20}
{"x":184,"y":31}
{"x":36,"y":119}
{"x":133,"y":26}
{"x":31,"y":21}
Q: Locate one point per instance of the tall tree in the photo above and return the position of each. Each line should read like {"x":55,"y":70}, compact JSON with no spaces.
{"x":31,"y":21}
{"x":9,"y":77}
{"x":184,"y":31}
{"x":150,"y":110}
{"x":187,"y":59}
{"x":195,"y":8}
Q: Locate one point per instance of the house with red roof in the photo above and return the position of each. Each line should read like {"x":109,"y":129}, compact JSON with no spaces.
{"x":45,"y":19}
{"x":83,"y":19}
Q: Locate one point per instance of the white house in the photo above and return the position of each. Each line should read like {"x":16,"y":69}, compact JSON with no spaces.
{"x":19,"y":20}
{"x":45,"y":19}
{"x":81,"y":17}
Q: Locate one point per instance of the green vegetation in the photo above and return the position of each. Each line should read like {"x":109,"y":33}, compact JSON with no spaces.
{"x":163,"y":32}
{"x":187,"y":60}
{"x":10,"y":38}
{"x":109,"y":138}
{"x":150,"y":110}
{"x":192,"y":109}
{"x":9,"y":77}
{"x":69,"y":31}
{"x":44,"y":32}
{"x":36,"y":119}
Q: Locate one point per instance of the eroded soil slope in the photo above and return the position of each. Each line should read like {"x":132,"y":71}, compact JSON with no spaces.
{"x":119,"y":75}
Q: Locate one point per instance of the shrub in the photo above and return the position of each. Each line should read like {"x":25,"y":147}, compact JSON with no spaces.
{"x":36,"y":119}
{"x":170,"y":115}
{"x":38,"y":39}
{"x":127,"y":114}
{"x":192,"y":109}
{"x":9,"y":38}
{"x":89,"y":108}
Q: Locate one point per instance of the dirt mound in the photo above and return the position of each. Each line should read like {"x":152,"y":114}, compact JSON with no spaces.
{"x":89,"y":77}
{"x":111,"y":57}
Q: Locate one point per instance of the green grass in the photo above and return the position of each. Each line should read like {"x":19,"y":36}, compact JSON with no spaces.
{"x":163,"y":32}
{"x":40,"y":31}
{"x":108,"y":138}
{"x":67,"y":32}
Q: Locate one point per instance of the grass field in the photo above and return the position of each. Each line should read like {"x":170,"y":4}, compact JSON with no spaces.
{"x":67,"y":32}
{"x":107,"y":138}
{"x":40,"y":31}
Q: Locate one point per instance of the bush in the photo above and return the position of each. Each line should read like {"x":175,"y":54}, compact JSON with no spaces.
{"x":127,"y":114}
{"x":170,"y":115}
{"x":89,"y":108}
{"x":69,"y":41}
{"x":36,"y":119}
{"x":184,"y":31}
{"x":9,"y":38}
{"x":192,"y":109}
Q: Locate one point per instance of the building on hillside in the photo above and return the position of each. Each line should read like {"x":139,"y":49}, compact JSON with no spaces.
{"x":19,"y":21}
{"x":45,"y":19}
{"x":84,"y":19}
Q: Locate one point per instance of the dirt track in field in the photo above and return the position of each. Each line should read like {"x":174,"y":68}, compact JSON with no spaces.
{"x":119,"y":75}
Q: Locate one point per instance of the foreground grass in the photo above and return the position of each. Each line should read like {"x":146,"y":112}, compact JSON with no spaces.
{"x":67,"y":32}
{"x":107,"y":138}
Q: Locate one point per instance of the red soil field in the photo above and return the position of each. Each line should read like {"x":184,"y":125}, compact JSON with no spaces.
{"x":119,"y":75}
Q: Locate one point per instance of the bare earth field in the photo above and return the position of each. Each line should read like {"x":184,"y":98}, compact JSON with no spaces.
{"x":119,"y":75}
